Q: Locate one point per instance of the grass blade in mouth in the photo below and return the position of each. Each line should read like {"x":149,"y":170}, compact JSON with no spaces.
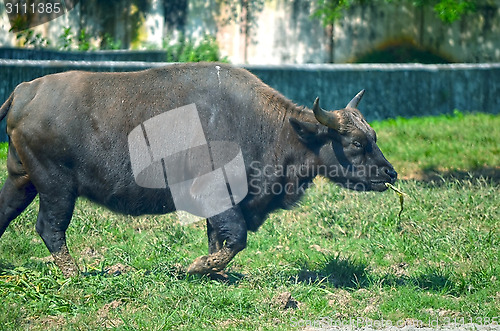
{"x":401,"y":196}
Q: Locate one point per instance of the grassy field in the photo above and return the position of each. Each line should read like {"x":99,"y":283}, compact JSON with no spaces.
{"x":340,"y":257}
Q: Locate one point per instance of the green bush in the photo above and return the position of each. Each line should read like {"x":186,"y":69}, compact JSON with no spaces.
{"x":66,"y":39}
{"x":28,"y":38}
{"x":81,"y":41}
{"x":108,"y":43}
{"x":186,"y":50}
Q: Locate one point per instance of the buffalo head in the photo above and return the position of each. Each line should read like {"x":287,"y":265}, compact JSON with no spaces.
{"x":346,"y":147}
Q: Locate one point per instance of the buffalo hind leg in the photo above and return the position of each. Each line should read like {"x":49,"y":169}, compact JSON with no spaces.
{"x":53,"y":220}
{"x":16,"y":194}
{"x":227,"y":235}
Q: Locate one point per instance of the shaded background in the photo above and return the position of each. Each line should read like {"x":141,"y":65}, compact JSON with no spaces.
{"x":279,"y":31}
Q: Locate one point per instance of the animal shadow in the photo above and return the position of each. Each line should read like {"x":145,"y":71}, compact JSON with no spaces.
{"x":336,"y":271}
{"x":5,"y":267}
{"x":436,"y":178}
{"x":347,"y":273}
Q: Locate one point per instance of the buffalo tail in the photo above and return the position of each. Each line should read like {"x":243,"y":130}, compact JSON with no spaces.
{"x":6,"y":106}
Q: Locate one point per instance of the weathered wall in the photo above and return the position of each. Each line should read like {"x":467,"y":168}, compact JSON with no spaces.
{"x":282,"y":31}
{"x":474,"y":38}
{"x":285,"y":33}
{"x":391,"y":90}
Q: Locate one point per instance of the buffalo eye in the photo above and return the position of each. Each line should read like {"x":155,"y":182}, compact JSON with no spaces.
{"x":357,"y":144}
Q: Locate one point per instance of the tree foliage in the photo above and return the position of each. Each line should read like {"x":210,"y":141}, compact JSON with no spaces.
{"x":328,"y":11}
{"x":452,"y":10}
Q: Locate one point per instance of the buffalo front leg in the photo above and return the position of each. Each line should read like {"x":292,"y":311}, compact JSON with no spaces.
{"x":53,"y":220}
{"x":214,"y":242}
{"x":227,"y":235}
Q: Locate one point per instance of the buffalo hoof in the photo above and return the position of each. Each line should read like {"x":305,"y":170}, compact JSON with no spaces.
{"x":65,"y":262}
{"x":204,"y":265}
{"x":210,"y":264}
{"x":68,"y":273}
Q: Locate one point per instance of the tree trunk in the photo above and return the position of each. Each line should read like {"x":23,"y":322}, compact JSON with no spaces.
{"x":330,"y":45}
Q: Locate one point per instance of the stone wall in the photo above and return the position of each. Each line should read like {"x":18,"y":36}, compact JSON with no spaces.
{"x":472,"y":39}
{"x":285,"y":33}
{"x":282,"y":31}
{"x":391,"y":90}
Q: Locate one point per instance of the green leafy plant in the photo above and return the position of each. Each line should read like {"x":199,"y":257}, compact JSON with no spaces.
{"x":83,"y":41}
{"x":329,"y":11}
{"x":186,"y":50}
{"x":109,"y":43}
{"x":69,"y":41}
{"x":66,"y":39}
{"x":28,"y":38}
{"x":449,"y":11}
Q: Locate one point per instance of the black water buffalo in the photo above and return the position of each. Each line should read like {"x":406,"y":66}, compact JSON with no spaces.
{"x":69,"y":137}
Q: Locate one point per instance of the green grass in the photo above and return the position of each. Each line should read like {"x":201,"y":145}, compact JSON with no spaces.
{"x":341,"y":254}
{"x":447,"y":143}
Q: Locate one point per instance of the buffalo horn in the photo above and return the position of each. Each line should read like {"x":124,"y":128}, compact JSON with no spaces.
{"x":325,"y":117}
{"x":354,"y":102}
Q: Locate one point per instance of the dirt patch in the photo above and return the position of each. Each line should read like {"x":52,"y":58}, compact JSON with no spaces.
{"x":341,"y":298}
{"x":285,"y":301}
{"x":442,"y":312}
{"x":109,"y":306}
{"x":321,"y":249}
{"x":90,"y":253}
{"x":103,"y":313}
{"x":400,"y":269}
{"x":340,"y":301}
{"x":118,"y":269}
{"x":48,"y":322}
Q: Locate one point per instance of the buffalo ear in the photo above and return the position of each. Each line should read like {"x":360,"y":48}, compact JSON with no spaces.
{"x":307,"y":132}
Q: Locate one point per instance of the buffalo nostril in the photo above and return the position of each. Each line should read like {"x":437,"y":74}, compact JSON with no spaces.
{"x":391,"y":173}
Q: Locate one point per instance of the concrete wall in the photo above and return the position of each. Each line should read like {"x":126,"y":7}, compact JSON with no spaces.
{"x":474,"y":38}
{"x":391,"y":90}
{"x":282,"y":31}
{"x":285,"y":33}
